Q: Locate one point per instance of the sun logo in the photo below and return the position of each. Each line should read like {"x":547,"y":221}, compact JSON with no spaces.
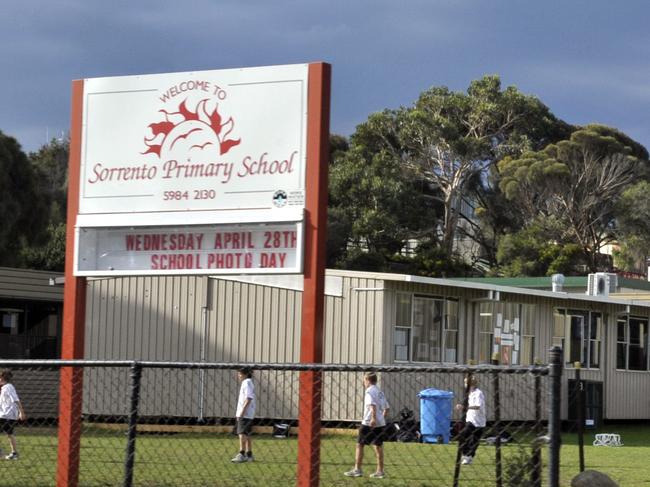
{"x":191,"y":133}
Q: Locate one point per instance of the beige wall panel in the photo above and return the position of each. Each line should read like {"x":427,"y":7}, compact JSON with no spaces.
{"x":627,"y":395}
{"x":354,"y":335}
{"x":143,"y":318}
{"x":389,"y":313}
{"x":251,"y":323}
{"x":140,"y":318}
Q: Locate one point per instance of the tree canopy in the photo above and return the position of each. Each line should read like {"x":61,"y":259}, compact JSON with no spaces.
{"x":577,"y":183}
{"x":19,"y":206}
{"x":32,"y":204}
{"x":373,"y":195}
{"x":416,"y":173}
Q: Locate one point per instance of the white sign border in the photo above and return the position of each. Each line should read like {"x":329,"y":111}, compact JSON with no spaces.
{"x":297,"y":269}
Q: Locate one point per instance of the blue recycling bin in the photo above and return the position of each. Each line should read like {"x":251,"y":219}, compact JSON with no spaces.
{"x":435,"y":415}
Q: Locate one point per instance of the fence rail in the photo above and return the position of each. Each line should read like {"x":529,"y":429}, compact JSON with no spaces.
{"x":171,"y":424}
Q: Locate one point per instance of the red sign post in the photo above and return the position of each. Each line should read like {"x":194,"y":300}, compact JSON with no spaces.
{"x":311,"y":338}
{"x":74,"y":315}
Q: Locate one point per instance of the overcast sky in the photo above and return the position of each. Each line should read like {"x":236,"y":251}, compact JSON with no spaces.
{"x":589,"y":60}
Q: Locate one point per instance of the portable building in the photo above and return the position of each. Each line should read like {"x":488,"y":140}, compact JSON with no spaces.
{"x":371,"y":318}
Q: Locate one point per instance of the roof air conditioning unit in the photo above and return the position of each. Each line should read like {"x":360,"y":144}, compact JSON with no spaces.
{"x":601,"y":284}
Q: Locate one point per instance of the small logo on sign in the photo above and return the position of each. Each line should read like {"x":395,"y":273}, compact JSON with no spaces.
{"x":280,"y":198}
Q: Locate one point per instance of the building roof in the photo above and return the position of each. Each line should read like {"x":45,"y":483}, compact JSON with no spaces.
{"x":487,"y":286}
{"x":30,"y":285}
{"x":633,"y":289}
{"x":570,"y":282}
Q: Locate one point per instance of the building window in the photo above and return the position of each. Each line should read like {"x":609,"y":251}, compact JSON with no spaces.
{"x":506,"y":330}
{"x":426,"y":329}
{"x":592,"y":338}
{"x":10,"y":321}
{"x":402,"y":335}
{"x":451,"y":331}
{"x":486,"y":332}
{"x":632,"y":343}
{"x":402,"y":343}
{"x":527,"y":354}
{"x":579,"y":333}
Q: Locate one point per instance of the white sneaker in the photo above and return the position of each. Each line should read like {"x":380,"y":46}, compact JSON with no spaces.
{"x":466,"y":460}
{"x":239,"y":458}
{"x":12,"y":456}
{"x":378,"y":475}
{"x":355,"y":472}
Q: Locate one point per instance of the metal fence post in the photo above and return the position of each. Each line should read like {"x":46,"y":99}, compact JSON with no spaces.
{"x":554,"y":416}
{"x":129,"y":461}
{"x":497,"y":422}
{"x":536,"y":467}
{"x":464,"y":412}
{"x":580,"y":416}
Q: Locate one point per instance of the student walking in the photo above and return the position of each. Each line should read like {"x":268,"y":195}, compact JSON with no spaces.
{"x":475,"y":419}
{"x":244,"y":415}
{"x":11,"y":410}
{"x":373,"y":426}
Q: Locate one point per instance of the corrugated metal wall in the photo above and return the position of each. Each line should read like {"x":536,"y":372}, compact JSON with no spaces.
{"x":144,"y":318}
{"x":252,"y":323}
{"x":218,"y":320}
{"x":627,"y":392}
{"x":354,"y":334}
{"x":200,"y":318}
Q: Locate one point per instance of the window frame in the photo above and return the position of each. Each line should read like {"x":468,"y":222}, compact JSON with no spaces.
{"x":444,"y":334}
{"x":626,"y":342}
{"x":585,"y":344}
{"x":495,"y":317}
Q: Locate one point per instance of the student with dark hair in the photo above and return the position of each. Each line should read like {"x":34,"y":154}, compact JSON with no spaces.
{"x":11,"y":410}
{"x":373,"y":426}
{"x":244,"y":415}
{"x":475,"y":420}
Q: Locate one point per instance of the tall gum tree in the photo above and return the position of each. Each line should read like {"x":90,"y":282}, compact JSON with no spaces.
{"x":372,"y":194}
{"x":449,"y":138}
{"x":578,"y":182}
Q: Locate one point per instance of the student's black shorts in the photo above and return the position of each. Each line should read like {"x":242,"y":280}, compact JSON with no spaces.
{"x":371,"y":436}
{"x":244,"y":426}
{"x":7,"y":426}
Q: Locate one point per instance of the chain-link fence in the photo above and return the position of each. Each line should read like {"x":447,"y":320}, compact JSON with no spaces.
{"x":172,"y":424}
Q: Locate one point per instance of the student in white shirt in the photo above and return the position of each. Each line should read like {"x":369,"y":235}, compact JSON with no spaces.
{"x":11,"y":410}
{"x":373,"y":427}
{"x":244,"y":415}
{"x":475,"y":419}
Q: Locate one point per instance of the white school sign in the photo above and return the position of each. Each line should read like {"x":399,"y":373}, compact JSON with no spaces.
{"x":197,"y":172}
